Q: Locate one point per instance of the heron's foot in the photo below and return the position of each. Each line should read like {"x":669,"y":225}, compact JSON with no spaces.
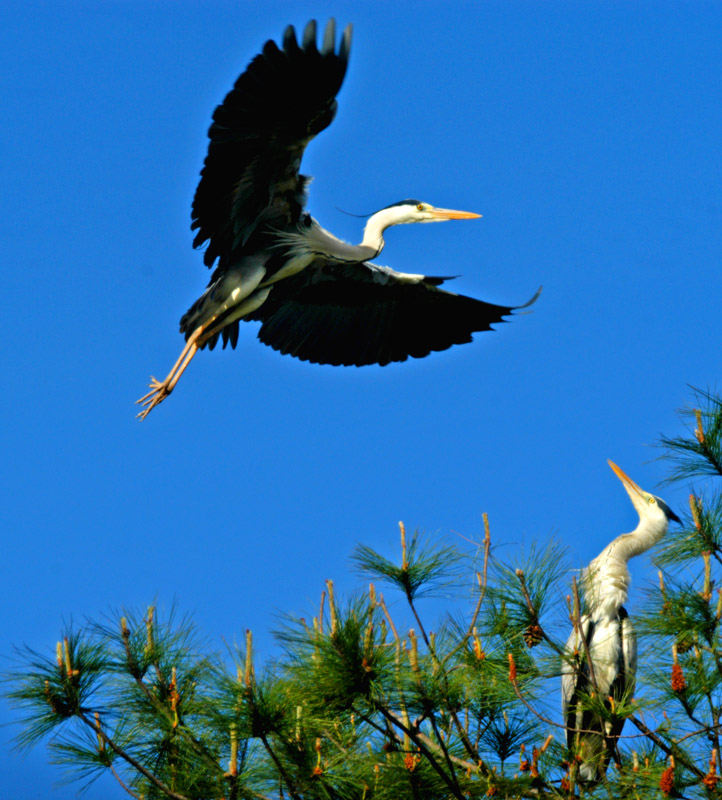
{"x":159,"y":390}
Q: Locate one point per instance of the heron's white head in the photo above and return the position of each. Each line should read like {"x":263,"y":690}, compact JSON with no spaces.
{"x":403,"y":213}
{"x":649,"y":507}
{"x":407,"y":211}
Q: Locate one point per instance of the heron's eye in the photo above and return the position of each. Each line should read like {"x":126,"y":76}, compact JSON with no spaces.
{"x":652,"y":501}
{"x":420,"y":207}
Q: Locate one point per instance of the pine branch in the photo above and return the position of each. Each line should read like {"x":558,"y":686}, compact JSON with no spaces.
{"x":157,"y":782}
{"x":279,"y":766}
{"x":453,"y":786}
{"x":534,"y":615}
{"x":445,"y":752}
{"x":698,"y":455}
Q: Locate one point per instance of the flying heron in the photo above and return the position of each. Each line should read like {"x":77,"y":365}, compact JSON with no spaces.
{"x":317,"y":298}
{"x":607,"y":636}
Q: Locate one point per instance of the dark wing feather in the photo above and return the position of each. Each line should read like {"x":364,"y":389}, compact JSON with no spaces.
{"x":575,"y":683}
{"x":250,"y":176}
{"x":622,"y":688}
{"x":359,"y":314}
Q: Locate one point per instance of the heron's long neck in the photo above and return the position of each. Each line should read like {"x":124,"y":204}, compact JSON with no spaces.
{"x":644,"y":536}
{"x":606,"y":579}
{"x":311,"y":241}
{"x":375,"y":227}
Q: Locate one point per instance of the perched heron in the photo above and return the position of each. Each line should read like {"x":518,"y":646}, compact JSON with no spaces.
{"x":608,"y":636}
{"x":317,"y":297}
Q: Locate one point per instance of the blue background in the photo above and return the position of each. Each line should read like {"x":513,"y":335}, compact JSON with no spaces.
{"x":587,"y":134}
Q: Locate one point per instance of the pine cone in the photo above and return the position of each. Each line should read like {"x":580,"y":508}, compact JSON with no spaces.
{"x":533,"y":635}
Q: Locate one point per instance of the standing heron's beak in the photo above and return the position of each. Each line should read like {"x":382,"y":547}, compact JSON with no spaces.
{"x":635,"y":492}
{"x":448,"y":213}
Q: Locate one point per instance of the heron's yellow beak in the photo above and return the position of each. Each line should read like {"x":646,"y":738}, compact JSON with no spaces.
{"x":635,"y":492}
{"x":448,"y":213}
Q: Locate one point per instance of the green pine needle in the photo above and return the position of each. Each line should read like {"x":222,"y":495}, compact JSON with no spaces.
{"x":430,"y":567}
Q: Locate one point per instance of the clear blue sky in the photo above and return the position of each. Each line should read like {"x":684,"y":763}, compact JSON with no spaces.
{"x":587,"y":134}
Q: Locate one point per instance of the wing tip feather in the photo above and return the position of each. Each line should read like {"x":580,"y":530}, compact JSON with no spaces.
{"x":529,"y":302}
{"x":328,"y":46}
{"x":344,"y":49}
{"x":290,"y":43}
{"x":309,"y":36}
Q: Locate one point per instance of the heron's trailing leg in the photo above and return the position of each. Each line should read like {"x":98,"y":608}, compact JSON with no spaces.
{"x":161,"y":389}
{"x":238,"y":303}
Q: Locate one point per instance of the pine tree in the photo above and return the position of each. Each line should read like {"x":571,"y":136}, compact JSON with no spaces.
{"x":363,"y":704}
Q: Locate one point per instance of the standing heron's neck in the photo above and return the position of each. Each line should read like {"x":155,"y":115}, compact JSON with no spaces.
{"x":606,"y":579}
{"x":643,"y":537}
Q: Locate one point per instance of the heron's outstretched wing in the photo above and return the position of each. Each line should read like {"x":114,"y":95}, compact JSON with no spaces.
{"x":259,"y":132}
{"x":357,"y":314}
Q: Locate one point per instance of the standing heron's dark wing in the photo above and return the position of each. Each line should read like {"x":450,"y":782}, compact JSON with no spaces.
{"x":259,"y":132}
{"x":357,"y":314}
{"x":575,"y":682}
{"x":622,"y":688}
{"x":593,"y":738}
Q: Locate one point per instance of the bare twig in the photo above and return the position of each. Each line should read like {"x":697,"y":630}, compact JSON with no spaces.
{"x":704,"y":730}
{"x":670,"y":750}
{"x":122,"y":783}
{"x":382,"y":603}
{"x":482,"y":581}
{"x":418,"y":620}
